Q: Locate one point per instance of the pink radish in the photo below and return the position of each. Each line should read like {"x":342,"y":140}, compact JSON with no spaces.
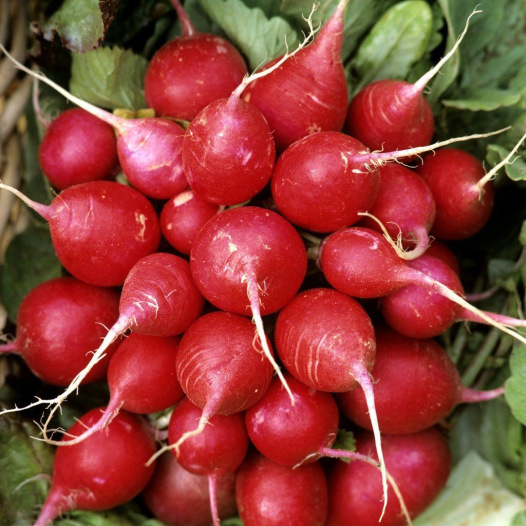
{"x":191,"y":71}
{"x":180,"y":498}
{"x":59,"y":322}
{"x":99,"y":229}
{"x":104,"y":471}
{"x":249,"y":260}
{"x":77,"y":148}
{"x":182,"y":217}
{"x":148,"y":148}
{"x":275,"y":495}
{"x":416,"y":386}
{"x":405,"y":207}
{"x":218,"y":450}
{"x":393,"y":114}
{"x":309,"y":93}
{"x":420,"y":464}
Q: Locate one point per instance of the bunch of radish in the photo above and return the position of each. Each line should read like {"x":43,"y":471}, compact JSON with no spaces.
{"x":190,"y":289}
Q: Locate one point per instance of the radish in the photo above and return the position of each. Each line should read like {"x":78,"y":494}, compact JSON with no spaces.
{"x":148,"y":148}
{"x":182,"y":217}
{"x":416,"y":386}
{"x":59,"y":322}
{"x":307,"y":94}
{"x":406,"y":207}
{"x":420,"y":464}
{"x":441,"y":251}
{"x":393,"y":114}
{"x":99,"y":229}
{"x":77,"y":148}
{"x":218,"y":450}
{"x":191,"y":71}
{"x":275,"y":495}
{"x":249,"y":260}
{"x":361,"y":263}
{"x":180,"y":498}
{"x":106,"y":470}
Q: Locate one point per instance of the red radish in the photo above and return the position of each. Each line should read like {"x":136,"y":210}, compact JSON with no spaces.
{"x":393,"y":114}
{"x":182,"y":217}
{"x":416,"y":386}
{"x":420,"y":464}
{"x":218,"y":450}
{"x":191,"y":71}
{"x":309,"y":93}
{"x":405,"y":207}
{"x":326,"y":340}
{"x":59,"y":323}
{"x":361,"y":263}
{"x":77,"y":148}
{"x":180,"y":498}
{"x":249,"y":260}
{"x":99,"y":229}
{"x":418,"y":313}
{"x":275,"y":495}
{"x":441,"y":251}
{"x":104,"y":471}
{"x":148,"y":148}
{"x":141,"y":379}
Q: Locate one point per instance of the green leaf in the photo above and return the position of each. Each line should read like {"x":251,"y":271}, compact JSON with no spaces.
{"x":484,"y":99}
{"x":30,"y":259}
{"x":260,"y":38}
{"x":345,"y":440}
{"x":519,"y":519}
{"x":516,"y":384}
{"x":82,"y":24}
{"x":516,"y":170}
{"x":396,"y":42}
{"x":473,"y":496}
{"x":109,"y":78}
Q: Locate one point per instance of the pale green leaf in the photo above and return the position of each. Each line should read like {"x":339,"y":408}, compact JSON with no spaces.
{"x":516,"y":170}
{"x":516,"y":384}
{"x":484,"y":99}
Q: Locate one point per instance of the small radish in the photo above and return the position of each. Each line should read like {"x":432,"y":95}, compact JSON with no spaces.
{"x":99,"y":229}
{"x":180,"y":498}
{"x":106,"y":470}
{"x":191,"y":71}
{"x":149,"y":149}
{"x":416,"y":386}
{"x":309,"y":93}
{"x":362,"y":263}
{"x":420,"y":464}
{"x":405,"y":206}
{"x":220,"y":448}
{"x":77,"y":148}
{"x":58,"y":324}
{"x":275,"y":495}
{"x":141,"y":379}
{"x":249,"y":260}
{"x":182,"y":217}
{"x":393,"y":114}
{"x":441,"y":251}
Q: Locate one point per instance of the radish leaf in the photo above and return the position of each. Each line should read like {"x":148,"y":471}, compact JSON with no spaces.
{"x":485,"y":99}
{"x":516,"y":384}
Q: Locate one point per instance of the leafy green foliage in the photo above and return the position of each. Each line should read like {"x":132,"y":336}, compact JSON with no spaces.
{"x":97,"y":77}
{"x":516,"y":385}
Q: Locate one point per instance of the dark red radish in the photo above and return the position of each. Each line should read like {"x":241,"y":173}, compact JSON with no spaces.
{"x":275,"y":495}
{"x":309,"y":93}
{"x":99,"y":229}
{"x":106,"y":470}
{"x":218,"y":450}
{"x":77,"y":148}
{"x":393,"y":114}
{"x":141,"y":378}
{"x":58,"y":324}
{"x":404,"y":207}
{"x":420,"y":464}
{"x":418,"y":313}
{"x":182,"y":217}
{"x":441,"y":251}
{"x":149,"y":149}
{"x":317,"y":185}
{"x":361,"y":262}
{"x":249,"y":261}
{"x":416,"y":386}
{"x":181,"y":498}
{"x":191,"y":71}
